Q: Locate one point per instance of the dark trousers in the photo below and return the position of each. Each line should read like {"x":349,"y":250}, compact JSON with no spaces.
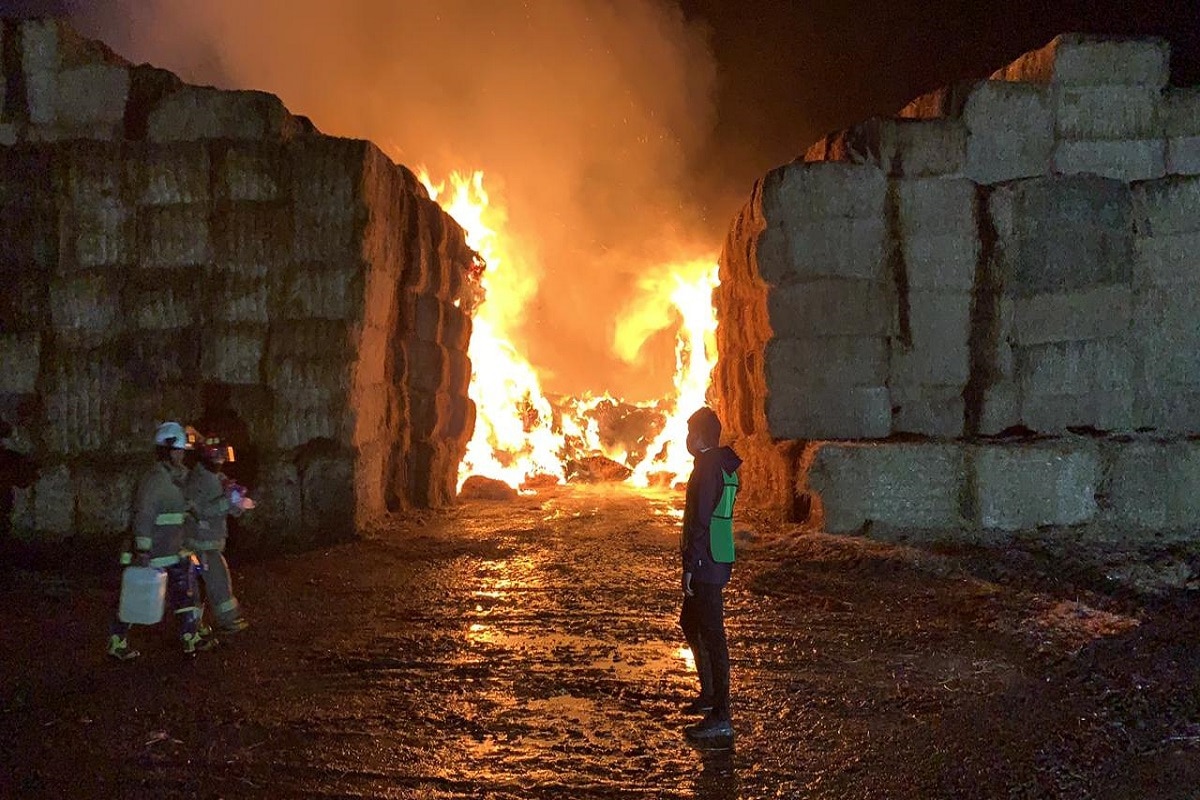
{"x":703,"y":623}
{"x":181,"y":598}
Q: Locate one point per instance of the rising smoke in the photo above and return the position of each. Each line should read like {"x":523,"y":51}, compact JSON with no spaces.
{"x":586,"y":115}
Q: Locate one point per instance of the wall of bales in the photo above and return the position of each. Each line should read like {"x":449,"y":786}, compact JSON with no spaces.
{"x":983,"y":312}
{"x":180,"y":252}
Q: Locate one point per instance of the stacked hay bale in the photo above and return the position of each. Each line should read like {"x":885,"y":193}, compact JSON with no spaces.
{"x":202,"y":239}
{"x":1041,"y":281}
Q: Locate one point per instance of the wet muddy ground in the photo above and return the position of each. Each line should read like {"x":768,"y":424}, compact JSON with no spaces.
{"x":529,"y":649}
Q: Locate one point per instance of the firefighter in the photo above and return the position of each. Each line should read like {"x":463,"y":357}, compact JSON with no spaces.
{"x":159,"y":515}
{"x":214,"y":498}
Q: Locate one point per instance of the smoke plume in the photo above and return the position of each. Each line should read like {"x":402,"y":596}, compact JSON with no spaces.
{"x":587,"y":117}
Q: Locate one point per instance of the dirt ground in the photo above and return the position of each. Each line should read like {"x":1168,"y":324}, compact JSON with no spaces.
{"x":529,"y":649}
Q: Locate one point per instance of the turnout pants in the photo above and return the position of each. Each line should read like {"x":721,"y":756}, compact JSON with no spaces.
{"x":703,"y":623}
{"x":218,"y":586}
{"x":181,"y":598}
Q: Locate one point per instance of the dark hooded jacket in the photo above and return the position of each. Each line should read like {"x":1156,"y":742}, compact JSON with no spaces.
{"x":704,"y":490}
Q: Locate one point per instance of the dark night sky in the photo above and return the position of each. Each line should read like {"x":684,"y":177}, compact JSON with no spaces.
{"x":793,"y":71}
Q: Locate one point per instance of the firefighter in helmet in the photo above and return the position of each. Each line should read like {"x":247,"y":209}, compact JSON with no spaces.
{"x":214,"y":498}
{"x":159,"y":514}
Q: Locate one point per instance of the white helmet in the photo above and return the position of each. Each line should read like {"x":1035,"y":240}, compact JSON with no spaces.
{"x":173,"y":435}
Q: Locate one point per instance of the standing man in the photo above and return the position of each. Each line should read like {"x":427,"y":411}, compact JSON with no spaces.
{"x":707,"y":550}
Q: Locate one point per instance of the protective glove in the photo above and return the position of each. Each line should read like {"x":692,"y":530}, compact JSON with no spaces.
{"x":235,"y":495}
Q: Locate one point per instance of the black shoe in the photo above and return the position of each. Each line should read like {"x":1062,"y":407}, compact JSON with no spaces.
{"x":713,"y":732}
{"x":701,"y":705}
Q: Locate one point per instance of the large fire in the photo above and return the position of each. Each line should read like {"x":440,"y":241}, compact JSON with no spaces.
{"x":521,"y":437}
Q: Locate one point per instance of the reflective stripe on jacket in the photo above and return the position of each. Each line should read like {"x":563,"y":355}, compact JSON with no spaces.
{"x":206,"y":492}
{"x":159,"y":512}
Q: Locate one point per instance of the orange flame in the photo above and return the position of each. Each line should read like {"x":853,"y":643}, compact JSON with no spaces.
{"x":517,"y":436}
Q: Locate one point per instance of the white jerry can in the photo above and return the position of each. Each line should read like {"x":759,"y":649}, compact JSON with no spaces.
{"x":143,"y":595}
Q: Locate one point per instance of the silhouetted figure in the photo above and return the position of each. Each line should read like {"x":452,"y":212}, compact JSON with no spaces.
{"x":17,"y":471}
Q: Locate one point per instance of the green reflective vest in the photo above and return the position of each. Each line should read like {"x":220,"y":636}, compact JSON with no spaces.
{"x":720,"y":530}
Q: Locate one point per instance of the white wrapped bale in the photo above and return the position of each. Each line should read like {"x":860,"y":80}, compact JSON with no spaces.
{"x":1154,"y":485}
{"x":20,"y":353}
{"x":1100,"y":312}
{"x":163,"y":300}
{"x":85,"y":309}
{"x":1166,"y":261}
{"x":203,"y":112}
{"x":327,"y":494}
{"x":233,"y":355}
{"x":82,"y":397}
{"x":90,"y":101}
{"x":332,"y":342}
{"x":329,"y":215}
{"x":1000,"y":408}
{"x":1181,"y":121}
{"x":1076,"y":59}
{"x":104,"y":499}
{"x":1059,"y":412}
{"x":1171,"y":410}
{"x":905,"y":485}
{"x":898,"y":147}
{"x":1060,"y":234}
{"x":1108,"y":112}
{"x":1010,"y":127}
{"x":1167,"y":336}
{"x":834,"y":248}
{"x":40,"y":63}
{"x":938,"y":231}
{"x":1029,"y":485}
{"x":828,"y":412}
{"x":1167,"y":207}
{"x":252,"y":234}
{"x":321,"y":292}
{"x":927,"y":410}
{"x":239,"y":293}
{"x":54,"y":502}
{"x":252,"y":173}
{"x":96,"y":226}
{"x":827,"y":360}
{"x":832,"y":307}
{"x":822,"y":191}
{"x":171,"y":175}
{"x":278,"y":498}
{"x":1123,"y":160}
{"x":1079,"y":367}
{"x":940,"y":325}
{"x":296,"y":426}
{"x":175,"y":236}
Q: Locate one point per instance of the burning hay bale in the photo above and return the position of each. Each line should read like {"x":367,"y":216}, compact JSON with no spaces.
{"x":478,"y":487}
{"x":596,"y":469}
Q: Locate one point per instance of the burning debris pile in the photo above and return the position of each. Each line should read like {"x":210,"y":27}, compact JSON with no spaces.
{"x":526,"y":439}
